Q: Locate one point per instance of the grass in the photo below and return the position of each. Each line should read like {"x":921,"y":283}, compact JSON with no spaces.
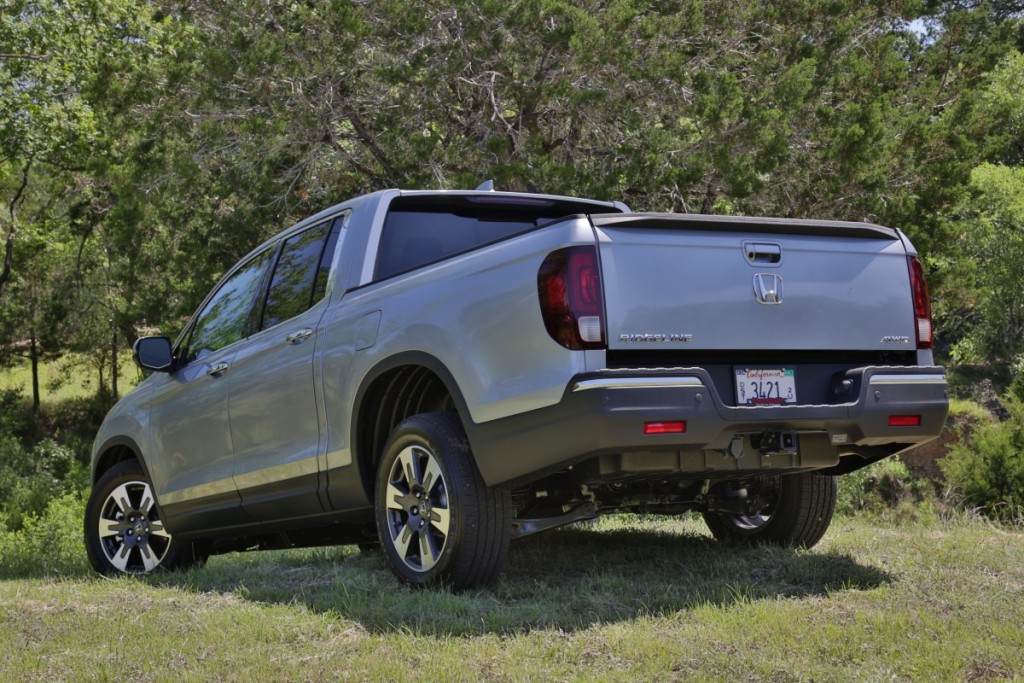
{"x":963,"y":408}
{"x":634,"y":598}
{"x":70,"y":377}
{"x":900,"y":595}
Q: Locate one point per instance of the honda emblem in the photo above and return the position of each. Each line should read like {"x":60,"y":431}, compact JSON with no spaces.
{"x":768,"y":288}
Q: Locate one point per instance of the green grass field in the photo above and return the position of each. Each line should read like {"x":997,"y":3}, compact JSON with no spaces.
{"x":631,"y":599}
{"x":67,"y":378}
{"x":911,"y":596}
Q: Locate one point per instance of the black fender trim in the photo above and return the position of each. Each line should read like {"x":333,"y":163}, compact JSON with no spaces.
{"x":122,"y":441}
{"x":360,"y":477}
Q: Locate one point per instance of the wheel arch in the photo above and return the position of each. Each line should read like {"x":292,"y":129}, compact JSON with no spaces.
{"x":398,"y":387}
{"x":116,"y":450}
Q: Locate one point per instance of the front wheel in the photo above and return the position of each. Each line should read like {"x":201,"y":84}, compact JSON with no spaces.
{"x":438,"y":522}
{"x":799,"y":512}
{"x":123,"y":530}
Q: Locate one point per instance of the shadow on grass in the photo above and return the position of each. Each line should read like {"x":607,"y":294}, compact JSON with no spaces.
{"x":567,"y":579}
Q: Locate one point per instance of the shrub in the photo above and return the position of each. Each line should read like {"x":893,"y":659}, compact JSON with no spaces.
{"x":15,"y":418}
{"x":988,"y":475}
{"x":47,"y":544}
{"x":30,"y":478}
{"x":74,"y":422}
{"x":884,"y":485}
{"x":1017,"y":384}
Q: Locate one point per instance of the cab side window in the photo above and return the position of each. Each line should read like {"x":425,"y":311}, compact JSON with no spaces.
{"x":300,"y":276}
{"x":227,"y":316}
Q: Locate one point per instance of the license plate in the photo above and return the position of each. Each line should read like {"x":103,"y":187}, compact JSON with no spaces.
{"x":765,"y":386}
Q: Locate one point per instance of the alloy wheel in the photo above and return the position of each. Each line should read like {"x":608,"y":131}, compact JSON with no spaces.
{"x":418,"y":514}
{"x":130,"y":532}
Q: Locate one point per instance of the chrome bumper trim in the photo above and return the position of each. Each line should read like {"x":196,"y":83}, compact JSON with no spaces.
{"x":907,"y":379}
{"x":639,"y":383}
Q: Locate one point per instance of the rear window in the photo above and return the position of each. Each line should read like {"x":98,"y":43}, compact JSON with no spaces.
{"x":415,"y":238}
{"x":419,"y":230}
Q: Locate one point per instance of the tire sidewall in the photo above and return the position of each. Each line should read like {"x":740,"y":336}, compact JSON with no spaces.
{"x":779,"y":528}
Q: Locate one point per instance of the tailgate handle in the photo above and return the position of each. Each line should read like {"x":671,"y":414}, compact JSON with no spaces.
{"x":762,"y":253}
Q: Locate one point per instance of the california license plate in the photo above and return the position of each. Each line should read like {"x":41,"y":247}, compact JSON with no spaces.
{"x":765,"y":386}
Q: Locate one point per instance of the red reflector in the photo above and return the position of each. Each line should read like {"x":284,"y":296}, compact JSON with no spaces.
{"x":664,"y":427}
{"x":904,"y":420}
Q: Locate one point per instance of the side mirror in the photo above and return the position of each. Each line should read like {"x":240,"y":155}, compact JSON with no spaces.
{"x":153,"y":353}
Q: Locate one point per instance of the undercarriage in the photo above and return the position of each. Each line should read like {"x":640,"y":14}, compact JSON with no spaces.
{"x":740,"y":479}
{"x":560,"y":500}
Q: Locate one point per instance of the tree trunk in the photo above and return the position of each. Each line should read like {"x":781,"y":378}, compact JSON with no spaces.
{"x":12,"y":208}
{"x":101,"y":390}
{"x":113,"y":366}
{"x":34,"y":356}
{"x":5,"y":270}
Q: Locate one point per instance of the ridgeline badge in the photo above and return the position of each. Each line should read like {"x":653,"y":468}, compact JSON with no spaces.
{"x":655,"y":338}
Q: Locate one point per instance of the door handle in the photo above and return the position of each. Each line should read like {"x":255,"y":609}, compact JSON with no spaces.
{"x":299,"y":337}
{"x":217,"y":370}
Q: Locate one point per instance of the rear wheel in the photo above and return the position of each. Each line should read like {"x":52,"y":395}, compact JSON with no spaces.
{"x":438,"y":522}
{"x":798,"y":514}
{"x":123,"y":530}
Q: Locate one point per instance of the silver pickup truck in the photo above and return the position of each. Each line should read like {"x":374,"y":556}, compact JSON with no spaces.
{"x":439,"y":372}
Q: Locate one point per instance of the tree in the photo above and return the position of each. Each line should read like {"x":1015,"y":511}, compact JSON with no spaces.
{"x":191,"y":131}
{"x":990,"y":228}
{"x":56,"y":60}
{"x":32,"y":319}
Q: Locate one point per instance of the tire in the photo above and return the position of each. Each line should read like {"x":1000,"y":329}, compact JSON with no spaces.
{"x":123,"y":531}
{"x":438,"y":523}
{"x":798,"y":516}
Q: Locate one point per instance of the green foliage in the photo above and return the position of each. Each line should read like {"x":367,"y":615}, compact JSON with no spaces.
{"x":14,"y":419}
{"x":51,"y":52}
{"x":35,"y":468}
{"x":987,"y":298}
{"x":988,"y":475}
{"x":160,"y":143}
{"x":70,"y":416}
{"x":965,"y":410}
{"x":49,"y":543}
{"x":29,"y":478}
{"x":1017,"y":383}
{"x":883,"y":486}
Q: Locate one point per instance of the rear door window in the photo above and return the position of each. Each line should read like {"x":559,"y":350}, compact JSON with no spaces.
{"x":300,"y":276}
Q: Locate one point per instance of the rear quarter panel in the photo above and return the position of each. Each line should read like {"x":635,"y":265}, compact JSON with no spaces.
{"x":478,"y":314}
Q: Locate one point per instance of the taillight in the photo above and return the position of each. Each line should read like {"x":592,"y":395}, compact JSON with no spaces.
{"x":922,"y":303}
{"x":571,"y":298}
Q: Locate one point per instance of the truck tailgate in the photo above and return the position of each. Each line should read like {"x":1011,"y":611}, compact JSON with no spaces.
{"x":722,"y":283}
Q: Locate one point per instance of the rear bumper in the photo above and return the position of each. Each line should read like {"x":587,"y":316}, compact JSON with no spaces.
{"x":604,"y":413}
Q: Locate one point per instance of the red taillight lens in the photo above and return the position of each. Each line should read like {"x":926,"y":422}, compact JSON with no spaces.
{"x":665,"y":427}
{"x":922,"y":303}
{"x":904,"y":420}
{"x":571,"y":298}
